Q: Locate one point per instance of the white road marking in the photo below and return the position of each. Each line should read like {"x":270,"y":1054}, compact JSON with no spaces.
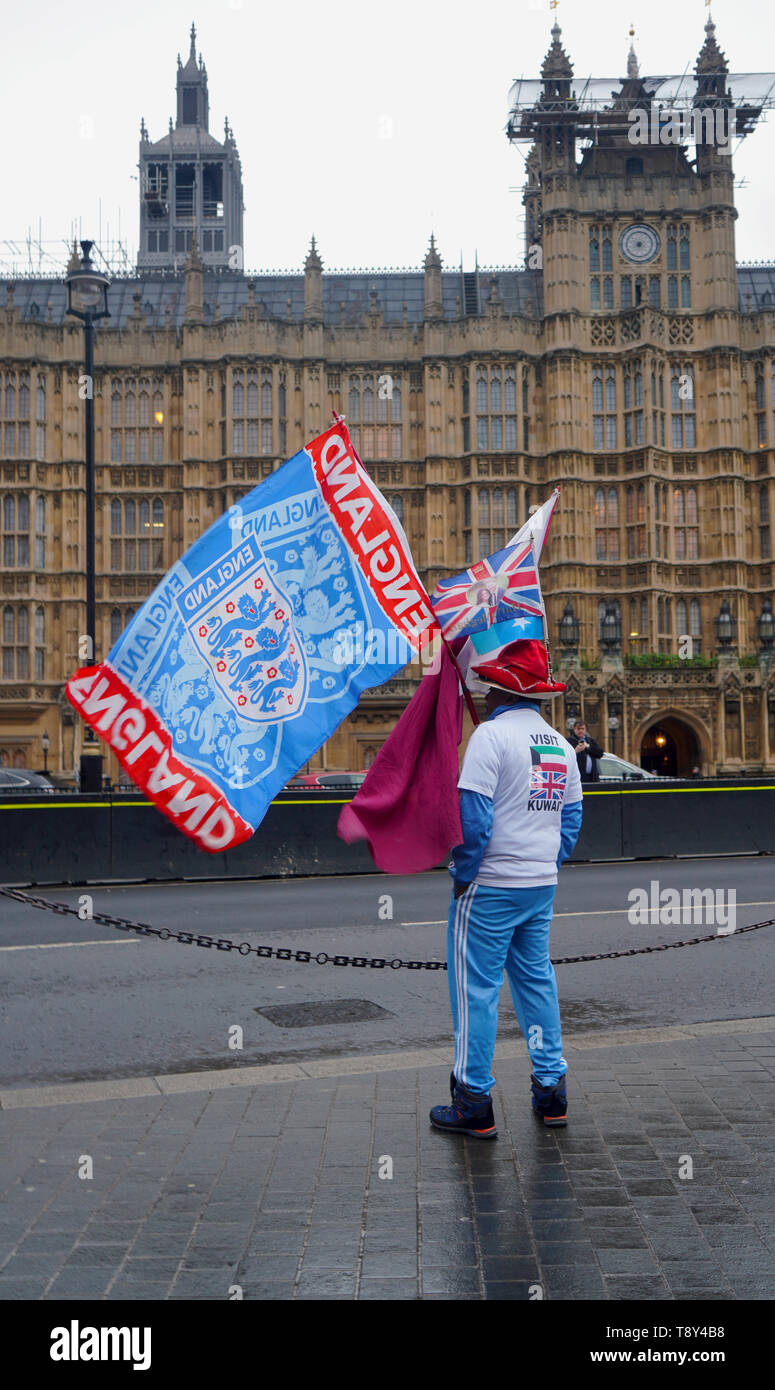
{"x":598,"y":912}
{"x":59,"y":945}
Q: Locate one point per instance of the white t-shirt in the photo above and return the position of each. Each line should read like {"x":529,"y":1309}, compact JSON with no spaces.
{"x":530,"y":772}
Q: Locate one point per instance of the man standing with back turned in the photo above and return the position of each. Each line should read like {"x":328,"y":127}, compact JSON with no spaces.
{"x":520,"y":810}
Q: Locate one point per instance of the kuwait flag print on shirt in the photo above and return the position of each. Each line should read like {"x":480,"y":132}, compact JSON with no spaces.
{"x":548,"y":777}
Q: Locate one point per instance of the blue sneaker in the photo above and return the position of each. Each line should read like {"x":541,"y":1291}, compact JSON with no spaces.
{"x":550,"y":1103}
{"x":470,"y":1113}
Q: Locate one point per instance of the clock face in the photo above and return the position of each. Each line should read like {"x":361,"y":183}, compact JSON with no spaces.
{"x":639,"y":243}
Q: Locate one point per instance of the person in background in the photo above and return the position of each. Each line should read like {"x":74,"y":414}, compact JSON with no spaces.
{"x":588,"y":753}
{"x":520,"y":812}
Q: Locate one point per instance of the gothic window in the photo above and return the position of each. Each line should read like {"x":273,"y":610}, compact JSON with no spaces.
{"x":764,"y":522}
{"x":604,"y":417}
{"x":380,"y":439}
{"x":115,"y":626}
{"x":682,"y":406}
{"x":685,"y":524}
{"x":494,"y":521}
{"x":633,"y":404}
{"x":672,"y":291}
{"x":608,"y":292}
{"x":40,"y":649}
{"x":607,"y":253}
{"x":695,"y":628}
{"x":16,"y":655}
{"x":655,"y":291}
{"x":672,"y":260}
{"x":606,"y":524}
{"x":137,"y":541}
{"x":397,"y":503}
{"x":686,"y":292}
{"x":626,"y":291}
{"x":40,"y":533}
{"x":761,"y":417}
{"x":16,"y":531}
{"x":266,"y":392}
{"x":252,"y":395}
{"x":657,"y":407}
{"x":594,"y":250}
{"x":684,"y":247}
{"x":594,"y":292}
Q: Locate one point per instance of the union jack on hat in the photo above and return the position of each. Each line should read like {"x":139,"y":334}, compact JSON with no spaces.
{"x":521,"y":668}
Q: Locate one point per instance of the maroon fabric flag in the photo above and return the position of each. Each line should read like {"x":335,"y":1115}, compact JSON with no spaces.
{"x":408,"y":808}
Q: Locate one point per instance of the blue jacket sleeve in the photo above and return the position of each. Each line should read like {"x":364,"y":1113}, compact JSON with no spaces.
{"x":476,"y":820}
{"x":570,"y":825}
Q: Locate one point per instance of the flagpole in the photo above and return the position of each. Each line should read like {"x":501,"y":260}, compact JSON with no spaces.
{"x":468,"y":697}
{"x":466,"y":692}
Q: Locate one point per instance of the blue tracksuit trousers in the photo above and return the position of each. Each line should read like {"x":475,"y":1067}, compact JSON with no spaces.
{"x":492,"y":929}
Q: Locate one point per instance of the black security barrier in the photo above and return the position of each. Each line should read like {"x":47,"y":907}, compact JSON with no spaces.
{"x":724,"y":817}
{"x":64,"y":839}
{"x":71,"y":838}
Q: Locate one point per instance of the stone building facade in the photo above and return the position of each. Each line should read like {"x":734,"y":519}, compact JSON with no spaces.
{"x":631,"y":361}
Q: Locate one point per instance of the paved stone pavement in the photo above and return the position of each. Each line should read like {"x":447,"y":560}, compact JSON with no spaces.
{"x":275,"y":1179}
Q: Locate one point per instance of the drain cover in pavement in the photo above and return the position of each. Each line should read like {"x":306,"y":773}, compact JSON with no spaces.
{"x":319,"y":1012}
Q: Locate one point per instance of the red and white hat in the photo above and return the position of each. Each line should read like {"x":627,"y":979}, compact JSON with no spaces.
{"x":522,"y":668}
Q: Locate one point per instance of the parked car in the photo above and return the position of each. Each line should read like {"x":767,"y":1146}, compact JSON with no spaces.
{"x":613,"y":769}
{"x":20,"y":779}
{"x":334,"y":781}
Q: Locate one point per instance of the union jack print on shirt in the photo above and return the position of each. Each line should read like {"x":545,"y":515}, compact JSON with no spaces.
{"x":548,"y":774}
{"x":491,"y":591}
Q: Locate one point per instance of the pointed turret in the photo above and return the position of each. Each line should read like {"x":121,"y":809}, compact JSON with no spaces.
{"x":313,"y":285}
{"x":193,"y":98}
{"x":711,"y":59}
{"x":556,"y":69}
{"x":434,"y":305}
{"x":633,"y":69}
{"x":194,"y":269}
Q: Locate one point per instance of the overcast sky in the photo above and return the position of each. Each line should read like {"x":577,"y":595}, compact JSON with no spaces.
{"x":368,"y":125}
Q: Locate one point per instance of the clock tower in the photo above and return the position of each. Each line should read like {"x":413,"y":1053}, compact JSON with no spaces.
{"x":651,"y":388}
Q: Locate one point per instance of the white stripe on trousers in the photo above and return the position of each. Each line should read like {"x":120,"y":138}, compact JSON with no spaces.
{"x":460,"y":940}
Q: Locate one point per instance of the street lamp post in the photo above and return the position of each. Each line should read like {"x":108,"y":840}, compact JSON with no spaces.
{"x":87,"y":300}
{"x":45,"y":744}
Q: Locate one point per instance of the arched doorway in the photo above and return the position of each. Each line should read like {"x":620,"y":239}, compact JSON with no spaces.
{"x":670,"y":748}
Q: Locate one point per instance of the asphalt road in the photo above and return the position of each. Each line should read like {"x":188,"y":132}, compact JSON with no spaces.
{"x":83,"y":1002}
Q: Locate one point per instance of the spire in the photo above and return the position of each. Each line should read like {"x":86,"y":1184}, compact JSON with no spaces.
{"x":432,"y":258}
{"x":313,"y":261}
{"x":191,"y":70}
{"x":632,"y":61}
{"x":313,"y":286}
{"x":433,"y":298}
{"x":711,"y":58}
{"x":556,"y":63}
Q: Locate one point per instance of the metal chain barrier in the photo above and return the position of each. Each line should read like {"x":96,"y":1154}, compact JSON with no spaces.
{"x":243,"y":948}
